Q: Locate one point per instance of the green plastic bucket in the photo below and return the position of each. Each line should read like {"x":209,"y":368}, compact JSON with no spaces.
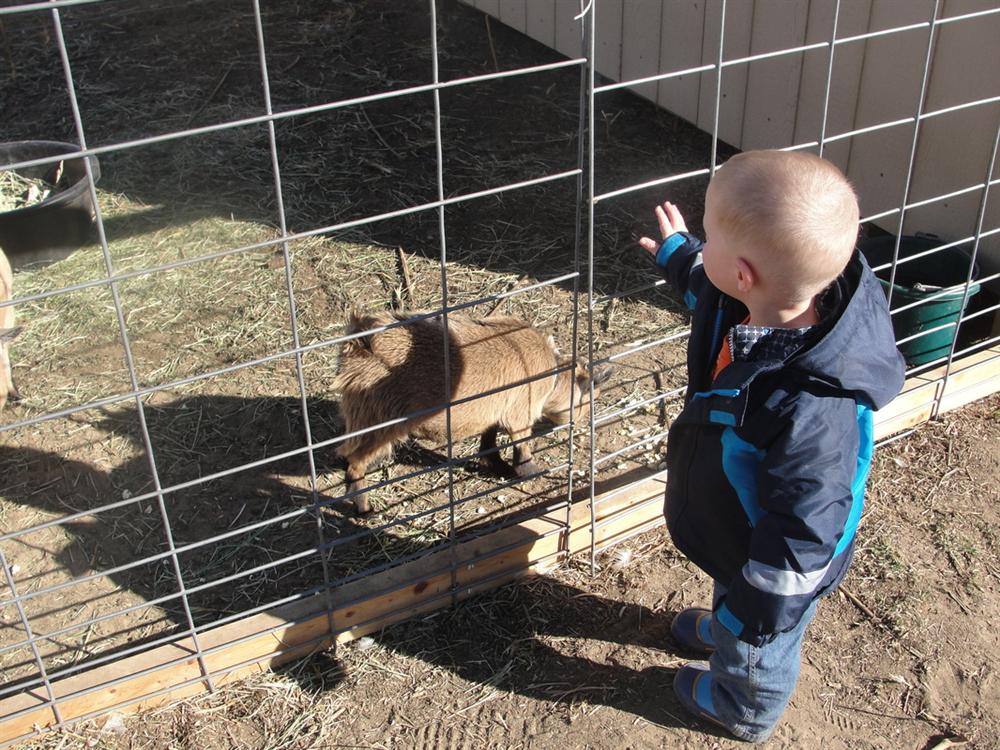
{"x":939,"y":277}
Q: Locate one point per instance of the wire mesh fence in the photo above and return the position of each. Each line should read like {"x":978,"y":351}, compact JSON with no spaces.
{"x":255,"y":172}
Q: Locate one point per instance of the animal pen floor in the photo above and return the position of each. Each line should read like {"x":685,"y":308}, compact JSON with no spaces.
{"x":515,"y":668}
{"x":196,"y":196}
{"x":573,"y":661}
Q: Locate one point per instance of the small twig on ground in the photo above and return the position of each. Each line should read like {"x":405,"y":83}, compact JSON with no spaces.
{"x":211,"y":96}
{"x":407,"y":280}
{"x":493,"y":49}
{"x":860,"y":605}
{"x":877,"y":620}
{"x":378,"y":134}
{"x":950,"y":742}
{"x":957,"y":601}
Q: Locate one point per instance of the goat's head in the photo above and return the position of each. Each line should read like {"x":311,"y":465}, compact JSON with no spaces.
{"x":572,"y":390}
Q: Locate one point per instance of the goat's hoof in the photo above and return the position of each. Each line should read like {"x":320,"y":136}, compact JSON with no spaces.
{"x":526,"y":469}
{"x":494,"y":464}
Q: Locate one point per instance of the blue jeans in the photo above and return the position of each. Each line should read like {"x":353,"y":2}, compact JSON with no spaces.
{"x":753,"y":684}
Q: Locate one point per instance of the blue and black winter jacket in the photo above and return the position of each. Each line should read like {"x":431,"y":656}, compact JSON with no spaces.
{"x":767,"y":464}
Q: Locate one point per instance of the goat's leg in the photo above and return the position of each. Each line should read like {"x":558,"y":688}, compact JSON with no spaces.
{"x":491,"y":460}
{"x":524,"y":464}
{"x":358,"y":461}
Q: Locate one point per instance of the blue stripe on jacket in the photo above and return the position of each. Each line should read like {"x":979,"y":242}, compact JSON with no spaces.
{"x":741,"y":461}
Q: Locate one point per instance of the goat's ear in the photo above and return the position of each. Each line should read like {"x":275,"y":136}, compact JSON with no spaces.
{"x":602,"y":373}
{"x":9,"y":334}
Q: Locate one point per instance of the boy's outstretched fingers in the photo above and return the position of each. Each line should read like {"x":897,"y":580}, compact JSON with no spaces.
{"x":670,"y":221}
{"x":674,"y":219}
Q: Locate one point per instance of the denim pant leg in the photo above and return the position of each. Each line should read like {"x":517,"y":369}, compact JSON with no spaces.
{"x":753,"y":684}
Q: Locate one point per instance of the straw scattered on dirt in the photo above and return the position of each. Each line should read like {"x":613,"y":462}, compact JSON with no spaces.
{"x":900,"y":659}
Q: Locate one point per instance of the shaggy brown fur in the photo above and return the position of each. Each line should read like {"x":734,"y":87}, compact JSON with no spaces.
{"x":391,"y":374}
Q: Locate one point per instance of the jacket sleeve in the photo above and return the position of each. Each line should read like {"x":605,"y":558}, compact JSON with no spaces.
{"x":679,"y":260}
{"x":804,"y":506}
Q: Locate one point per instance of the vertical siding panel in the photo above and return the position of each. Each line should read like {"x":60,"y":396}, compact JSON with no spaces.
{"x":965,"y":69}
{"x":568,"y":31}
{"x":541,"y":21}
{"x":890,"y":87}
{"x":681,"y":29}
{"x":608,"y":31}
{"x":847,"y":62}
{"x":489,"y":6}
{"x":773,"y":84}
{"x":514,"y":13}
{"x":641,"y":44}
{"x":739,"y":17}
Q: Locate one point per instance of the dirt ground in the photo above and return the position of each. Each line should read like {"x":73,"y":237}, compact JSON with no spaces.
{"x":905,"y":657}
{"x":565,"y":660}
{"x":144,"y":72}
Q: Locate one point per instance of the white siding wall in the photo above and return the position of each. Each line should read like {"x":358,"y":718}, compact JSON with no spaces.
{"x":778,"y":102}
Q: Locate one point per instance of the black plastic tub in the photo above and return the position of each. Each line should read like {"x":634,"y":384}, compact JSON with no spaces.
{"x":63,"y":221}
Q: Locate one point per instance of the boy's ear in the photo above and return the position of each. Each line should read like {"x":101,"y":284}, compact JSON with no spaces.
{"x":746,"y":277}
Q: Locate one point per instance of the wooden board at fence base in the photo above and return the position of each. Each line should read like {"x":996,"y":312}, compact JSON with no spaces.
{"x":623,"y":507}
{"x":266,"y":640}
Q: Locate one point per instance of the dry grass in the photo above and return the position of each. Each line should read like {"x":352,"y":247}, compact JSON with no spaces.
{"x":141,"y":72}
{"x":577,"y":659}
{"x":186,"y":321}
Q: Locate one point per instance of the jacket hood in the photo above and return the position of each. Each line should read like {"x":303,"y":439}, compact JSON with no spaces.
{"x":858,"y":353}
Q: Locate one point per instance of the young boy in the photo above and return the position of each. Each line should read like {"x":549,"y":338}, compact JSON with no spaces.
{"x":791,"y":349}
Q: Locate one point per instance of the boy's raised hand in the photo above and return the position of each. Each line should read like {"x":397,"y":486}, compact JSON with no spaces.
{"x":670,"y":221}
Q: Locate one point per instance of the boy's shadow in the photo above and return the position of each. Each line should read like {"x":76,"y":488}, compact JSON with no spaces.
{"x":545,"y":640}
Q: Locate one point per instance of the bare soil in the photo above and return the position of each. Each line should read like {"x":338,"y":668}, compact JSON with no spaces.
{"x":904,"y":657}
{"x":565,"y":660}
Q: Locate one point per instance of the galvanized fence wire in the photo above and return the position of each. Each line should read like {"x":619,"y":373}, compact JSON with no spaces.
{"x":920,"y":115}
{"x":584,"y":174}
{"x":136,"y":393}
{"x":914,"y":142}
{"x":972,"y":261}
{"x":292,"y":309}
{"x":127,"y":349}
{"x":589,"y":14}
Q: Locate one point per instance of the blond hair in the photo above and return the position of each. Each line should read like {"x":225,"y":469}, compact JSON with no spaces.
{"x":798,"y":214}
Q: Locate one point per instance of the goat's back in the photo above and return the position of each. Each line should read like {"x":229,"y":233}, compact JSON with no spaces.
{"x":398,"y":371}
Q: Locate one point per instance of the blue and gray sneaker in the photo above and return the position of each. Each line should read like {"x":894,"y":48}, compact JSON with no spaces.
{"x":692,"y":629}
{"x":693,"y":687}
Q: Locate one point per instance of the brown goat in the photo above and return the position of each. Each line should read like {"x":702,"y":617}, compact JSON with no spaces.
{"x":7,"y":332}
{"x":391,"y":374}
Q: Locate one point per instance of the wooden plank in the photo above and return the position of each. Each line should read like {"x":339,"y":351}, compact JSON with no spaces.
{"x":541,"y":22}
{"x":973,"y":377}
{"x":773,"y":84}
{"x":624,"y":506}
{"x":845,"y":82}
{"x":608,"y":38}
{"x":361,"y":607}
{"x":889,"y":90}
{"x":568,"y":30}
{"x":681,"y":29}
{"x":734,"y":79}
{"x":514,"y":13}
{"x":641,"y":48}
{"x":971,"y":383}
